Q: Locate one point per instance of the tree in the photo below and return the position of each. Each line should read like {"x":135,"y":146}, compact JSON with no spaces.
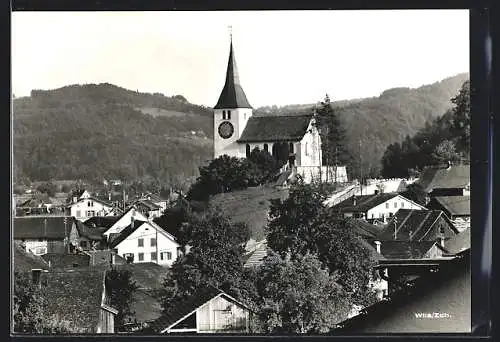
{"x":214,"y":259}
{"x":446,"y":152}
{"x":416,"y":193}
{"x":28,"y":306}
{"x":301,"y":225}
{"x":49,"y":188}
{"x":461,"y":117}
{"x":265,"y":163}
{"x":333,"y":134}
{"x":298,"y":296}
{"x":122,"y":288}
{"x":290,"y":228}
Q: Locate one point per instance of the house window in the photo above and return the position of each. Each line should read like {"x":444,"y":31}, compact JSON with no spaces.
{"x":223,"y":115}
{"x":390,"y":214}
{"x":266,"y":148}
{"x":306,"y":150}
{"x":247,"y":150}
{"x":40,"y":250}
{"x":129,"y":257}
{"x":141,"y":256}
{"x":153,"y":256}
{"x":402,"y":204}
{"x":140,"y":242}
{"x":244,"y":116}
{"x":387,"y":206}
{"x":229,"y":115}
{"x":90,"y":203}
{"x":395,"y":204}
{"x":153,"y":242}
{"x":161,"y":255}
{"x":290,"y":147}
{"x":78,"y":213}
{"x":169,"y":255}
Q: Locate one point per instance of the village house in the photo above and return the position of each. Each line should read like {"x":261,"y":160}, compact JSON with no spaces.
{"x":439,"y":302}
{"x":24,"y":261}
{"x":457,"y":208}
{"x":209,"y":310}
{"x":449,"y":180}
{"x":42,"y":234}
{"x":117,"y":224}
{"x":294,"y":140}
{"x":37,"y":204}
{"x":148,"y":208}
{"x":87,"y":207}
{"x":158,"y":200}
{"x":145,"y":241}
{"x":379,"y":206}
{"x":77,"y":300}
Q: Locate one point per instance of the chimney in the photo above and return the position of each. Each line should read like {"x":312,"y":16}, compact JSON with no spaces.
{"x":377,"y":244}
{"x":35,"y":276}
{"x":441,"y":240}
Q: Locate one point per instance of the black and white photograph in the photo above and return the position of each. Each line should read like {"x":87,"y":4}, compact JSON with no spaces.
{"x":268,"y":172}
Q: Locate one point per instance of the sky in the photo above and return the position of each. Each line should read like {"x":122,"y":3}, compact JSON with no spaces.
{"x":283,"y":57}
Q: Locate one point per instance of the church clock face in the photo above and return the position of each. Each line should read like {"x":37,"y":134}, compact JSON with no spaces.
{"x":226,"y":130}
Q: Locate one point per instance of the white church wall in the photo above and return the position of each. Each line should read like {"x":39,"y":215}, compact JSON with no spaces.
{"x":238,"y":118}
{"x":309,"y":149}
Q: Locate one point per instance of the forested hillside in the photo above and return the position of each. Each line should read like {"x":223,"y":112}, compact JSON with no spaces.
{"x":374,"y":123}
{"x":100,"y":131}
{"x":103,"y":131}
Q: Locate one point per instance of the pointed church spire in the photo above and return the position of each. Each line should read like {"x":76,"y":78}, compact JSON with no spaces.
{"x":232,"y":95}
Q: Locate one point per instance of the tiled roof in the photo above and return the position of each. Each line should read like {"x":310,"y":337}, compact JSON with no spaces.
{"x":26,"y":261}
{"x":66,"y":260}
{"x":363,"y":203}
{"x":101,"y":221}
{"x":459,"y":242}
{"x":232,"y":95}
{"x":454,"y":205}
{"x":405,"y":249}
{"x":148,"y":204}
{"x":419,"y":222}
{"x":95,"y":234}
{"x":275,"y":128}
{"x":125,"y":233}
{"x":458,"y":176}
{"x":74,"y":297}
{"x":365,"y":229}
{"x":41,"y":227}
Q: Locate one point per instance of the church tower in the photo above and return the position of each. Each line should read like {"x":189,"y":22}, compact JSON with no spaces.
{"x":231,"y":113}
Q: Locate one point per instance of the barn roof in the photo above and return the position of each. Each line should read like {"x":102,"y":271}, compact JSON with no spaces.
{"x":41,"y":227}
{"x":275,"y":128}
{"x":74,"y":297}
{"x":445,"y":291}
{"x":459,"y":242}
{"x":232,"y":95}
{"x":455,"y":205}
{"x":416,"y":222}
{"x":364,"y":228}
{"x":405,"y":249}
{"x":456,"y":176}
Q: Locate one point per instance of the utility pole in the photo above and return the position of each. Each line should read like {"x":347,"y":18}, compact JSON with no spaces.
{"x":360,"y":168}
{"x":336,"y":163}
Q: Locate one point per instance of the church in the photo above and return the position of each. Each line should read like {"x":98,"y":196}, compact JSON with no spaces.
{"x":293,"y":140}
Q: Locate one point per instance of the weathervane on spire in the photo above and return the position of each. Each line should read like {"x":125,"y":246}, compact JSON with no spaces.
{"x":230,"y":32}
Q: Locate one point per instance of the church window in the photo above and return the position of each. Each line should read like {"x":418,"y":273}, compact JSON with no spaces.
{"x":223,"y":115}
{"x":266,"y":148}
{"x":229,"y":115}
{"x":248,"y":150}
